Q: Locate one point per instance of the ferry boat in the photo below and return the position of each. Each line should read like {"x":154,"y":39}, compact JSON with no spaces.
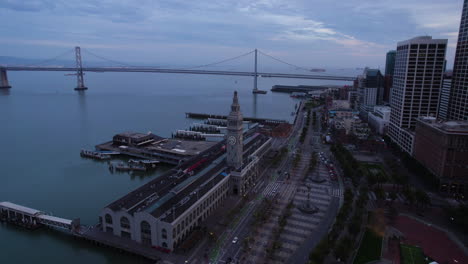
{"x":94,"y":155}
{"x":318,"y":70}
{"x":149,"y":164}
{"x":259,"y":92}
{"x":298,"y":94}
{"x":120,"y":166}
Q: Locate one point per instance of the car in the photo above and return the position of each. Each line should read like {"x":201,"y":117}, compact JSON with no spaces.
{"x":234,"y":241}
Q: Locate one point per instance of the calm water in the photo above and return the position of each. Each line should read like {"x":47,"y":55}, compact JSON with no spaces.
{"x":44,"y":123}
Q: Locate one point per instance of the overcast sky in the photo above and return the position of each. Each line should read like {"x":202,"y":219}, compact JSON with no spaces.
{"x":311,"y":33}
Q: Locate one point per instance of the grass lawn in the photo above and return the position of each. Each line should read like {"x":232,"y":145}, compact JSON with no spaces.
{"x":375,"y":169}
{"x":370,"y":248}
{"x":412,"y":255}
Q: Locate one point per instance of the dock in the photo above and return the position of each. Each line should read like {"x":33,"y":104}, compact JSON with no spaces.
{"x":32,"y":219}
{"x":252,"y":119}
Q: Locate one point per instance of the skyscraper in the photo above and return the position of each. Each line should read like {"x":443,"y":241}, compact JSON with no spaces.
{"x":445,"y":96}
{"x":370,"y":91}
{"x":417,"y":83}
{"x":389,"y":71}
{"x":458,"y":106}
{"x":390,"y":62}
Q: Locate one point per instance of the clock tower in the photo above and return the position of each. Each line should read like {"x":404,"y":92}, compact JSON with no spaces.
{"x":234,"y":135}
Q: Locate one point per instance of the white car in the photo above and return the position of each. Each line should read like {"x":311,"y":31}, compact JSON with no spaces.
{"x":235,"y":240}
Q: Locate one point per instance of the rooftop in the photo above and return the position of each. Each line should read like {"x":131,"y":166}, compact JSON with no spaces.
{"x":422,"y":40}
{"x":133,"y":134}
{"x":181,"y":147}
{"x":20,"y":208}
{"x":451,"y":126}
{"x":172,"y":193}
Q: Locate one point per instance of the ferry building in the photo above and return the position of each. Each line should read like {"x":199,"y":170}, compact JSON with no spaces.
{"x":164,"y":211}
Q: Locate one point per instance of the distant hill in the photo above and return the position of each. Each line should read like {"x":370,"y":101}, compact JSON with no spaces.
{"x":16,"y":61}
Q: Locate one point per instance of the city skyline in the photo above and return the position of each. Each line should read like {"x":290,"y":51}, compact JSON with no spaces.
{"x":308,"y":34}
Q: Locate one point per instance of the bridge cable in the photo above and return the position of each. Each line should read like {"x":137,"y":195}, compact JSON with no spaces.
{"x":293,"y":65}
{"x":106,"y":59}
{"x":219,"y":62}
{"x":282,"y":61}
{"x":51,"y":59}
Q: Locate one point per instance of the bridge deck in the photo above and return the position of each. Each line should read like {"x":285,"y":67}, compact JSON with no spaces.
{"x":181,"y":71}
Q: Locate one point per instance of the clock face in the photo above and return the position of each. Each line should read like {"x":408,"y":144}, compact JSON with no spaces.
{"x":231,"y":140}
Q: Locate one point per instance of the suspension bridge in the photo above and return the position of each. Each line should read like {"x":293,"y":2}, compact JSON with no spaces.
{"x":79,"y":70}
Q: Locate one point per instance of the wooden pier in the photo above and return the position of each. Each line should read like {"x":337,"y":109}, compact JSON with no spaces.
{"x":253,"y":119}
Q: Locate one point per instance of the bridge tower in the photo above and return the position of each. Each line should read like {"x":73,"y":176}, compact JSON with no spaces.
{"x":256,"y":76}
{"x":79,"y":71}
{"x":4,"y":79}
{"x":255,"y":89}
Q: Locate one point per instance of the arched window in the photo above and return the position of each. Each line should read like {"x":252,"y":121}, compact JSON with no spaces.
{"x":124,"y":223}
{"x":108,"y":219}
{"x":164,"y":233}
{"x":145,"y":233}
{"x":145,"y":228}
{"x":164,"y":244}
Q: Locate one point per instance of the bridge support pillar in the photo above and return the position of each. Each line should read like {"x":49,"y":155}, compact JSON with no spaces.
{"x":4,"y":79}
{"x":79,"y":71}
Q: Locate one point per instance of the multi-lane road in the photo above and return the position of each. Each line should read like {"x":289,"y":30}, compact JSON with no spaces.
{"x":276,"y":184}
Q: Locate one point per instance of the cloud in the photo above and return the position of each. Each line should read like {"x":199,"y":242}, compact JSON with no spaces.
{"x":27,"y":5}
{"x":345,"y":30}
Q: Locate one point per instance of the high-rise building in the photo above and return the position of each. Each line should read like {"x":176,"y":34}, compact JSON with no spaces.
{"x":389,"y":71}
{"x":234,"y":135}
{"x":458,"y":109}
{"x":416,"y":87}
{"x":390,"y":62}
{"x":445,"y":96}
{"x":370,"y":91}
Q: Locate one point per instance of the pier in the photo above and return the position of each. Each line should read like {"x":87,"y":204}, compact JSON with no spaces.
{"x":252,"y":119}
{"x":31,"y":218}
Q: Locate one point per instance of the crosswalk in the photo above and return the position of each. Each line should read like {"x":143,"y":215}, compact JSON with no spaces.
{"x":336,"y":192}
{"x":271,"y":189}
{"x":399,"y":197}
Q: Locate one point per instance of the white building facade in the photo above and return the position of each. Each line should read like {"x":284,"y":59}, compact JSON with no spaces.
{"x":416,"y":87}
{"x":379,"y":119}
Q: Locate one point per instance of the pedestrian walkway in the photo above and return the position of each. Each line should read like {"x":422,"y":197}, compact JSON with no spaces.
{"x":300,"y":225}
